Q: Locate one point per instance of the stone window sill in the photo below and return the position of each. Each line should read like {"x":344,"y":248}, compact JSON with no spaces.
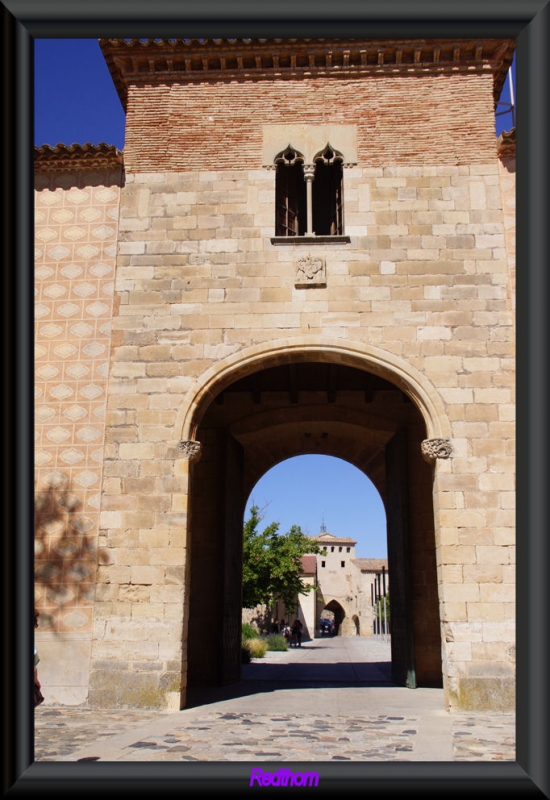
{"x":310,"y":240}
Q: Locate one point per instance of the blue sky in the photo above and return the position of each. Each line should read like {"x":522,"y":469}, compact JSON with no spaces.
{"x":76,"y":102}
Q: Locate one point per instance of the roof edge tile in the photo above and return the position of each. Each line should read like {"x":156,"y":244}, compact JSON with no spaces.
{"x":77,"y":156}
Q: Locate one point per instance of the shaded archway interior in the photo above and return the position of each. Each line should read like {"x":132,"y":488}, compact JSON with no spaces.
{"x":337,"y":614}
{"x":297,"y":409}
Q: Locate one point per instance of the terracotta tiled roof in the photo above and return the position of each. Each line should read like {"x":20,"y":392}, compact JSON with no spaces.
{"x":371,"y":564}
{"x":77,"y":156}
{"x":506,"y":144}
{"x":309,"y":565}
{"x":329,"y":539}
{"x":139,"y":61}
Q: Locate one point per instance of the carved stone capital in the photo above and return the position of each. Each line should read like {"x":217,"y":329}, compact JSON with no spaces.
{"x":436,"y":448}
{"x":310,"y":271}
{"x":191,"y":450}
{"x":309,"y":171}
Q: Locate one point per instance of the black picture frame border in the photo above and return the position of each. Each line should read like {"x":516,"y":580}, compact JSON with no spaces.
{"x":526,"y":20}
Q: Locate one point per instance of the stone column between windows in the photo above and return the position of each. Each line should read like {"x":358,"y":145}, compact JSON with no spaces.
{"x":309,"y":174}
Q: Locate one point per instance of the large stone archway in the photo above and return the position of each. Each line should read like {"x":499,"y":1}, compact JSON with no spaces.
{"x":312,"y":400}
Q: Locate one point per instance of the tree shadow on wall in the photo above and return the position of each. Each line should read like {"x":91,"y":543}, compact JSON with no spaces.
{"x":66,"y":557}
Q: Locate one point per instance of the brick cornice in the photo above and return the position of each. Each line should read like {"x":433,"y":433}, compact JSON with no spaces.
{"x":147,"y":61}
{"x":76,"y":157}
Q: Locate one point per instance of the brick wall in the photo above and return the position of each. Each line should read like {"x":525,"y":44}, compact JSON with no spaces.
{"x":420,"y":119}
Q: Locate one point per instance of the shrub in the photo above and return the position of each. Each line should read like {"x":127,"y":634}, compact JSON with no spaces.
{"x":249,"y":631}
{"x":245,"y":654}
{"x":276,"y":642}
{"x":256,"y":647}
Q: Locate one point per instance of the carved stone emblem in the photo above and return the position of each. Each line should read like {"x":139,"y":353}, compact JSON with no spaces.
{"x":191,"y":450}
{"x":436,"y":448}
{"x":310,"y":271}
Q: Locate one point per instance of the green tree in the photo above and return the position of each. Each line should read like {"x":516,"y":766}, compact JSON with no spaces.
{"x":379,"y":609}
{"x":272,"y":565}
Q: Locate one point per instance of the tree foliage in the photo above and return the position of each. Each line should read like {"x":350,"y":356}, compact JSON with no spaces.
{"x":272,"y":567}
{"x":379,"y":609}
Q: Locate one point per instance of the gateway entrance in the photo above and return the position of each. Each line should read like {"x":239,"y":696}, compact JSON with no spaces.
{"x":294,"y":409}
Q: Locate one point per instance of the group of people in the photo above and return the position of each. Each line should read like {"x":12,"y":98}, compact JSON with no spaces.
{"x":292,"y":635}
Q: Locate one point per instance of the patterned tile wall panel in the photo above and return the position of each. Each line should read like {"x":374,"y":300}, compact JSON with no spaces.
{"x":76,"y":219}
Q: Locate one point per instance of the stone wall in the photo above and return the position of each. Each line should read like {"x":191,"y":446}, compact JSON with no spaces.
{"x":424,"y":278}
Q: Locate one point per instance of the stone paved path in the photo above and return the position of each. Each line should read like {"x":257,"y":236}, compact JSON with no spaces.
{"x":348,"y":711}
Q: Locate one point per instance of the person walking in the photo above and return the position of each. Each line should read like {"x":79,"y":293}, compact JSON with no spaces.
{"x":296,"y":633}
{"x":38,"y":696}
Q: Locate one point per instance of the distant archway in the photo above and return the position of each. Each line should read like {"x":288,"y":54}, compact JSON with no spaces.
{"x":339,"y":615}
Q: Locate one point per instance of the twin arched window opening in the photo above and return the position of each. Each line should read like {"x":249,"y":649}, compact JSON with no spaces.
{"x":308,"y":197}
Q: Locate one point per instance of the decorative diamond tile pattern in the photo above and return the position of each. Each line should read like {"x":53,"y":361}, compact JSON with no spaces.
{"x":82,"y":329}
{"x":105,"y":195}
{"x":64,"y":215}
{"x":68,"y":310}
{"x":50,"y":198}
{"x":47,"y":372}
{"x":41,"y":310}
{"x":56,"y":291}
{"x":44,"y":413}
{"x":92,"y":390}
{"x":103,"y":232}
{"x":75,"y":412}
{"x":76,"y":234}
{"x":77,"y":371}
{"x":90,"y":214}
{"x":58,"y":435}
{"x":59,"y":252}
{"x":97,"y":309}
{"x":41,"y":273}
{"x":87,"y":251}
{"x":77,"y":196}
{"x":88,"y":435}
{"x":86,"y":478}
{"x":51,"y":330}
{"x":94,"y":349}
{"x":46,"y":235}
{"x":61,"y":391}
{"x":84,"y":289}
{"x":65,"y":350}
{"x":101,"y":270}
{"x":71,"y":271}
{"x":71,"y":456}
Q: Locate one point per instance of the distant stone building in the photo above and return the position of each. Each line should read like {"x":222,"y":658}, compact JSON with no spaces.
{"x":307,"y":246}
{"x":346,"y":585}
{"x":342,"y":585}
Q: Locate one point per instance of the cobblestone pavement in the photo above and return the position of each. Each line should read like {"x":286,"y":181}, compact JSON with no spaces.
{"x":289,"y":717}
{"x":62,"y":733}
